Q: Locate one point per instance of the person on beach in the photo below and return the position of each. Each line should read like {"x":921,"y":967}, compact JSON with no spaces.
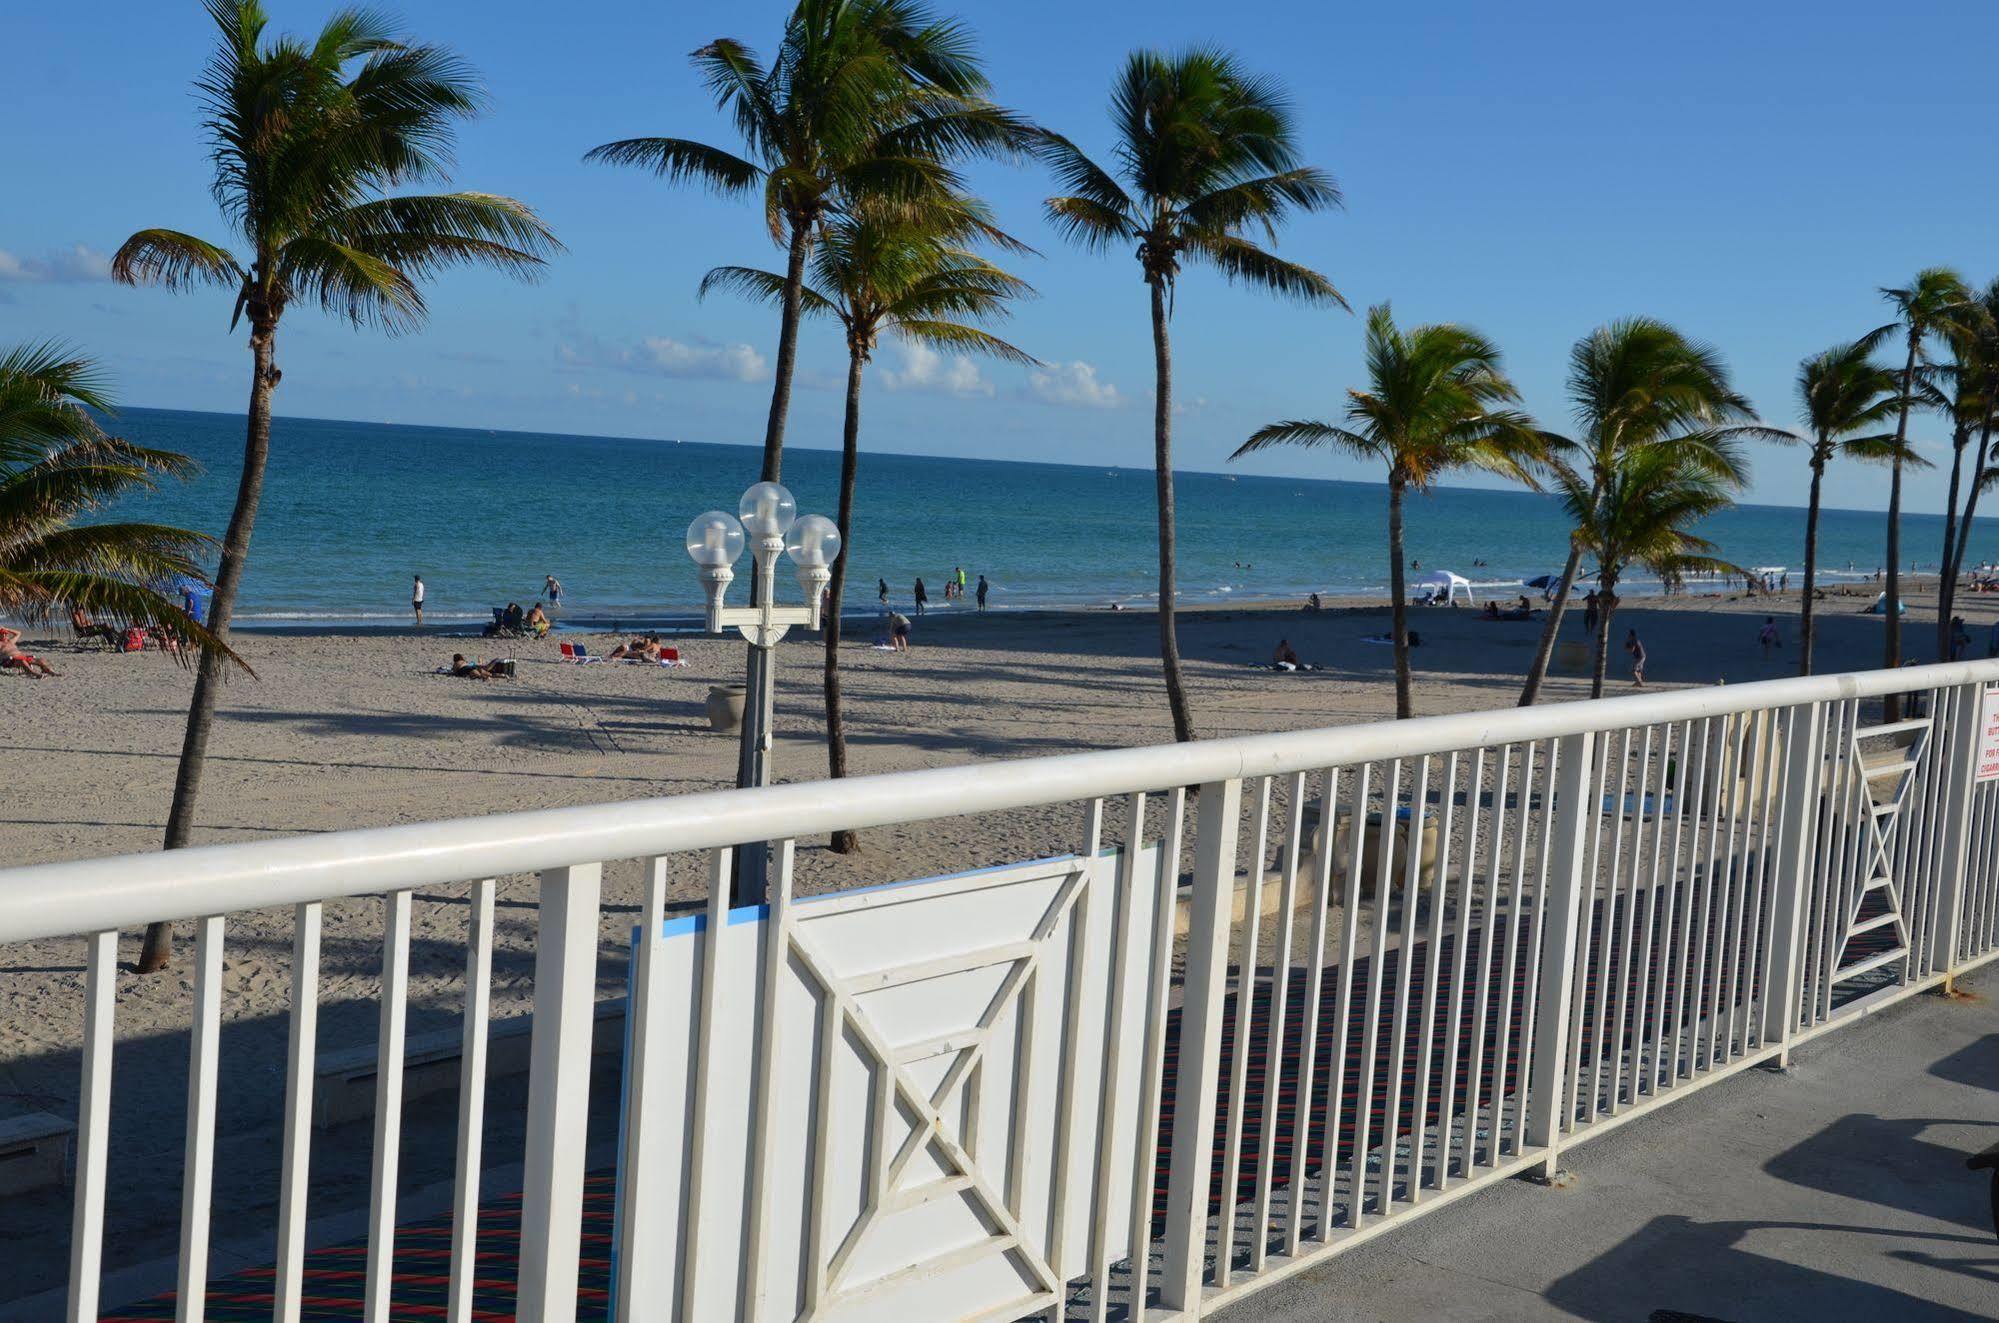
{"x":536,"y":621}
{"x":1767,"y":636}
{"x":84,"y":627}
{"x":1285,"y":655}
{"x":1960,"y":638}
{"x":416,"y":598}
{"x":13,"y":659}
{"x":982,"y":592}
{"x":922,"y":597}
{"x":552,"y":588}
{"x":645,"y":648}
{"x":1589,"y":613}
{"x":1637,"y":651}
{"x":898,"y":630}
{"x":469,"y":670}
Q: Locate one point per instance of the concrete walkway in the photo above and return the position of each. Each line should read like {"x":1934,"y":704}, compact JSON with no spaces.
{"x":1835,"y":1191}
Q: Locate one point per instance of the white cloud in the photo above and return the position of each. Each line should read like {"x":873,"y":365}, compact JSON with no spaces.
{"x":924,"y":369}
{"x":1075,"y":385}
{"x":78,"y":264}
{"x":676,"y":358}
{"x":664,"y":356}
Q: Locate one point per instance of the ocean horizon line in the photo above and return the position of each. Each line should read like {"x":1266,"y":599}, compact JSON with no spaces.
{"x":1119,"y":469}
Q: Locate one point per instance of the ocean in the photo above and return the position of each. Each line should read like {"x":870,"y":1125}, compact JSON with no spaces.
{"x":351,"y":510}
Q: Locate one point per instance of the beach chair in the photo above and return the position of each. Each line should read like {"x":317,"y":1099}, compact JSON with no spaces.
{"x":577,"y":652}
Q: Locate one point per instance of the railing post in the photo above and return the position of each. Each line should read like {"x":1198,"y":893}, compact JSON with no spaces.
{"x":1953,"y":861}
{"x":565,"y":990}
{"x":1804,"y":790}
{"x":1568,"y":898}
{"x":1199,"y":1067}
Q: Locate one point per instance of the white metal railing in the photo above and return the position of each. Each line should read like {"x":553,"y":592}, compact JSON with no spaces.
{"x":1418,"y":957}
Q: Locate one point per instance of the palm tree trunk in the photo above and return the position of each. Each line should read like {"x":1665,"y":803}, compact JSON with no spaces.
{"x":1545,"y":652}
{"x":843,"y":841}
{"x":756,"y":659}
{"x":787,"y":349}
{"x":1891,"y":601}
{"x":1811,"y":570}
{"x":1960,"y":437}
{"x":1398,"y":610}
{"x":1970,"y":507}
{"x":158,"y":948}
{"x":1162,"y":460}
{"x":1606,"y":605}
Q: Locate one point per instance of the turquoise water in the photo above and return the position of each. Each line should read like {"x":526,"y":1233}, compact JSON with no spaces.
{"x":351,"y":510}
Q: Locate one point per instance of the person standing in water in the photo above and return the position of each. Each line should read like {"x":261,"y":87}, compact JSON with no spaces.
{"x":922,"y":597}
{"x":881,"y":586}
{"x":553,"y":589}
{"x":983,"y":586}
{"x":416,"y":598}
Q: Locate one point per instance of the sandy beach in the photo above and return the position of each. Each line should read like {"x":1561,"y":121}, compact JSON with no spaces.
{"x":353,"y":730}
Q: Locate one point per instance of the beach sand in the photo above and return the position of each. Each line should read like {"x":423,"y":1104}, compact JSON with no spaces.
{"x":355,"y":730}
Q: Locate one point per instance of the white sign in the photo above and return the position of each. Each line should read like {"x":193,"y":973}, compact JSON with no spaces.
{"x":1988,"y":735}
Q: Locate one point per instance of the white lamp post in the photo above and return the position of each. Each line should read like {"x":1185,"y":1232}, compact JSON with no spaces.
{"x":767,"y":520}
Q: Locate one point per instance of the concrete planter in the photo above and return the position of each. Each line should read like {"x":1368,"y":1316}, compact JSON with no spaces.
{"x":1370,"y":851}
{"x":725,"y":707}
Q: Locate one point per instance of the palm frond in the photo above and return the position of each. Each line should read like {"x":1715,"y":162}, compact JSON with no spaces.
{"x":351,"y":284}
{"x":761,"y":286}
{"x":1242,"y":261}
{"x":1307,"y":433}
{"x":679,"y":160}
{"x":964,"y":339}
{"x":174,"y":260}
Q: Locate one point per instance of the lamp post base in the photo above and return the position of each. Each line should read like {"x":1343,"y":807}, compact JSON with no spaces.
{"x":750,"y":876}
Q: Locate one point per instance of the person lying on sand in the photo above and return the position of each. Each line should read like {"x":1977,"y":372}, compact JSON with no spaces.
{"x":466,"y":670}
{"x":12,"y":658}
{"x":638,"y":649}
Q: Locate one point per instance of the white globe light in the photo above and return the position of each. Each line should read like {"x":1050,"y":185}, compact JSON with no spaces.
{"x":768,"y":510}
{"x":715,"y":540}
{"x":813,"y":542}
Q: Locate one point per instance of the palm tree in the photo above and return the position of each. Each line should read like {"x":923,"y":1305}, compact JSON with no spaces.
{"x":865,"y":98}
{"x":1431,"y":406}
{"x":1844,"y":396}
{"x":56,"y":466}
{"x":1972,"y":404}
{"x":307,"y":137}
{"x":907,"y":272}
{"x":1640,"y":511}
{"x":1207,"y":152}
{"x":1634,"y":383}
{"x":1921,"y":309}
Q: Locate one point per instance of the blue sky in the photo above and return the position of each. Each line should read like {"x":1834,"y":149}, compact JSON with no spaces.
{"x":1751,"y":173}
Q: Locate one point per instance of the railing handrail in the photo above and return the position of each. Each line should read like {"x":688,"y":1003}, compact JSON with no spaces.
{"x":123,"y":891}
